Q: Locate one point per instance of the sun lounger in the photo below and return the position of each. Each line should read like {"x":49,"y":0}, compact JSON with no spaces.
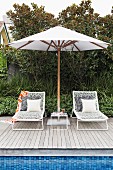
{"x":31,"y":108}
{"x":86,"y":108}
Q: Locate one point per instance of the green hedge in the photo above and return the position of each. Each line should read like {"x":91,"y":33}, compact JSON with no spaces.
{"x":8,"y":104}
{"x":106,"y":105}
{"x":65,"y":103}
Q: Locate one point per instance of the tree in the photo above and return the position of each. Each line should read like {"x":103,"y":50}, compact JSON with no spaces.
{"x":81,"y":67}
{"x":83,"y":19}
{"x":80,"y":18}
{"x":3,"y":62}
{"x":28,"y":21}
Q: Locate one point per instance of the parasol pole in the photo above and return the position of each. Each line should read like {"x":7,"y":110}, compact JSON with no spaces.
{"x":58,"y":85}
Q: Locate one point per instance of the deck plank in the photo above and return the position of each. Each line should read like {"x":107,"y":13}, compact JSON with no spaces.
{"x":28,"y":140}
{"x":23,"y":136}
{"x":34,"y":137}
{"x":80,"y":137}
{"x":4,"y":133}
{"x":16,"y":139}
{"x":57,"y":138}
{"x":63,"y":140}
{"x":37,"y":141}
{"x":91,"y":137}
{"x":46,"y":140}
{"x":100,"y":136}
{"x":54,"y":138}
{"x":50,"y":141}
{"x":71,"y":136}
{"x":75,"y":137}
{"x":42,"y":139}
{"x":5,"y":139}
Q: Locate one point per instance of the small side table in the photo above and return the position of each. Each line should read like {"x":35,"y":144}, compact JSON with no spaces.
{"x":59,"y":116}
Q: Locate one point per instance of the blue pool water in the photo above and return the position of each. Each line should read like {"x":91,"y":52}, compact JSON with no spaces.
{"x":56,"y":163}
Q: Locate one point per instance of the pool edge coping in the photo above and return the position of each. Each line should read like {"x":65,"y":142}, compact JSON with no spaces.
{"x":55,"y":152}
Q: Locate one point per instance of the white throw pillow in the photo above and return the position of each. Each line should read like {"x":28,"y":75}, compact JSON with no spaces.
{"x":88,"y":105}
{"x":33,"y":105}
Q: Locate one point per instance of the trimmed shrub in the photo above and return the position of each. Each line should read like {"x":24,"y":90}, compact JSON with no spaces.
{"x":7,"y":105}
{"x":106,"y":105}
{"x":65,"y":103}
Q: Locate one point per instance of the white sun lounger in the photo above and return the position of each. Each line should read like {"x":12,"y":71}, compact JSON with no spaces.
{"x":87,"y":116}
{"x":23,"y":115}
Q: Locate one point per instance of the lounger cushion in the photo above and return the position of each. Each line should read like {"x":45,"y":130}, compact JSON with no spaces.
{"x":88,"y":105}
{"x":27,"y":115}
{"x":78,"y":102}
{"x":91,"y":116}
{"x":24,"y":104}
{"x":33,"y":105}
{"x":29,"y":96}
{"x":82,"y":95}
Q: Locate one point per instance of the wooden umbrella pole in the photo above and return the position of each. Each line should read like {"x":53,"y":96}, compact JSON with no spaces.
{"x":58,"y":85}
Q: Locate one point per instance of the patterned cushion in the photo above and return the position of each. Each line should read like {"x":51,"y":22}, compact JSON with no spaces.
{"x":24,"y":95}
{"x":82,"y":95}
{"x":20,"y":103}
{"x":30,"y":95}
{"x":28,"y":115}
{"x":24,"y":104}
{"x":91,"y":115}
{"x":34,"y":96}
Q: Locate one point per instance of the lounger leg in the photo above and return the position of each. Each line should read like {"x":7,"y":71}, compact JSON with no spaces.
{"x":13,"y":126}
{"x":13,"y":122}
{"x":94,"y":129}
{"x":23,"y":129}
{"x":77,"y":124}
{"x":106,"y":125}
{"x":73,"y":114}
{"x":42,"y":125}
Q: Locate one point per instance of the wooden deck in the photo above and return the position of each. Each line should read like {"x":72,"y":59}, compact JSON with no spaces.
{"x":56,"y":139}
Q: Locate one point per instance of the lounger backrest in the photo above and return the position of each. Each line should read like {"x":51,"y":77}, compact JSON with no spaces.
{"x":33,"y":96}
{"x":38,"y":95}
{"x":78,"y":95}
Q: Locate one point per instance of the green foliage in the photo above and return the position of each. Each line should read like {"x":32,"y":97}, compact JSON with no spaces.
{"x":3,"y":61}
{"x":3,"y":64}
{"x":66,"y":103}
{"x":89,"y":70}
{"x":101,"y":83}
{"x":7,"y":105}
{"x":82,"y":18}
{"x":106,"y":104}
{"x":28,"y":21}
{"x":13,"y":86}
{"x":76,"y":67}
{"x":20,"y":82}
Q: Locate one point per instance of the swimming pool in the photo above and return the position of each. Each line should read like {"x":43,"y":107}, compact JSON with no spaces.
{"x":56,"y":162}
